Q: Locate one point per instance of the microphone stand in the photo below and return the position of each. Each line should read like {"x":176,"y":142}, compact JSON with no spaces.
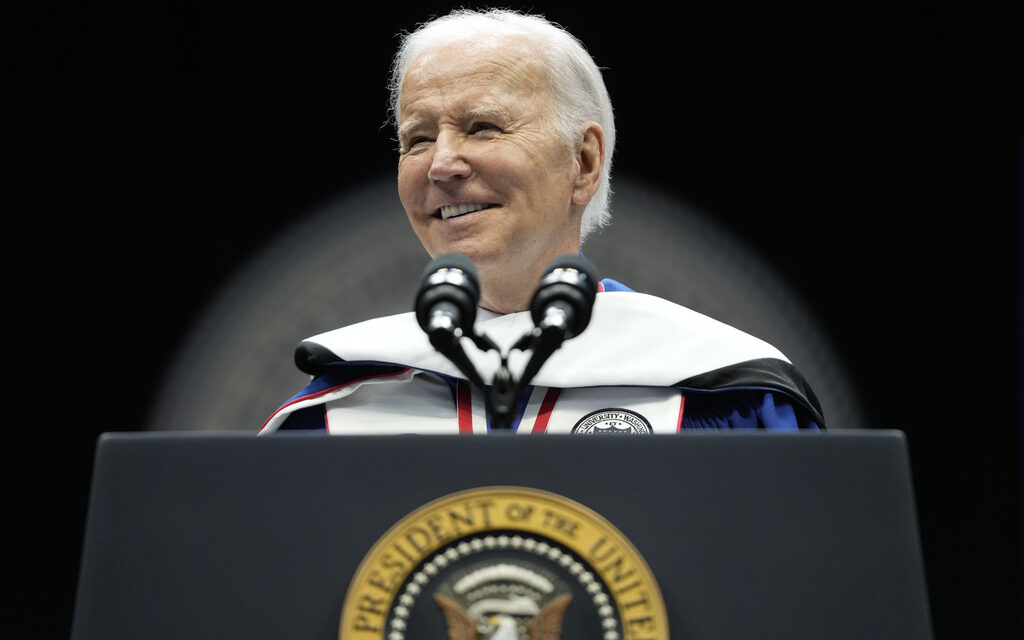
{"x":502,"y":396}
{"x":505,"y":390}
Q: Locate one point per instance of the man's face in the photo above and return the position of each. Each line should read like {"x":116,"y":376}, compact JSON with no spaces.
{"x":482,"y":170}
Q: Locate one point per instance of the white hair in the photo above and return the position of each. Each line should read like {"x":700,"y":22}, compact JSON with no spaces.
{"x":577,"y":91}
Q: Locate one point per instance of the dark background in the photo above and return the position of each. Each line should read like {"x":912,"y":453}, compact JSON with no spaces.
{"x":872,"y":153}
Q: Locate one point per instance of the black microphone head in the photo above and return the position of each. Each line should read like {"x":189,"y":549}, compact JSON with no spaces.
{"x":450,"y":279}
{"x":568,"y":280}
{"x":451,"y":260}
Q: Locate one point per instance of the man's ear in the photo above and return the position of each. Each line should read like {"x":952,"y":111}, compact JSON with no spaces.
{"x":590,"y":157}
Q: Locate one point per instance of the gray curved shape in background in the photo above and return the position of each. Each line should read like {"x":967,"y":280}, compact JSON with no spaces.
{"x":356,"y":258}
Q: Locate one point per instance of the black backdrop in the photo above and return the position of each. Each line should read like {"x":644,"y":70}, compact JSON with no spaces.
{"x":872,"y":152}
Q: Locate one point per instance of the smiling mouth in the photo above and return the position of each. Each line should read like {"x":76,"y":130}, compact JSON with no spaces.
{"x":455,"y":210}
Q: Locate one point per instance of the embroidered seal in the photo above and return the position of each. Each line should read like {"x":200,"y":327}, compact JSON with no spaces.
{"x":504,"y":563}
{"x":613,"y":422}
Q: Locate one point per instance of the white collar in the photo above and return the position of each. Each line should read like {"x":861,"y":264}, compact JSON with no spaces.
{"x":632,"y":339}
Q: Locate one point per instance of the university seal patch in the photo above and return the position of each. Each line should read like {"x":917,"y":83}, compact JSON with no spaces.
{"x":613,"y":422}
{"x":505,"y":563}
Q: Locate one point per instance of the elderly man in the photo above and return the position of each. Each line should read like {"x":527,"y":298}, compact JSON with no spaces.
{"x":506,"y":137}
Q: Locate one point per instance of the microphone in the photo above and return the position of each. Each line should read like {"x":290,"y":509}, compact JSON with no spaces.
{"x":561,"y":309}
{"x":448,"y":295}
{"x":446,"y":308}
{"x":564,"y":299}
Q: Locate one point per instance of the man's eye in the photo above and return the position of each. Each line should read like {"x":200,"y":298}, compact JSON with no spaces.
{"x":479,"y":127}
{"x":416,"y":141}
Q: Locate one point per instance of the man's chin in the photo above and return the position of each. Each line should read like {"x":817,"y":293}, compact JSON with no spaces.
{"x":479,"y":255}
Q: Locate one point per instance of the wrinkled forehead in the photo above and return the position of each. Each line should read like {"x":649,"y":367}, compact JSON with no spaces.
{"x":513,"y":62}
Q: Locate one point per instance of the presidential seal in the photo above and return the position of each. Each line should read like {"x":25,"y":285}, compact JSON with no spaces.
{"x":613,"y":422}
{"x":505,"y":563}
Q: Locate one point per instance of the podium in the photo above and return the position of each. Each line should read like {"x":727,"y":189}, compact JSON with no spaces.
{"x":697,"y":535}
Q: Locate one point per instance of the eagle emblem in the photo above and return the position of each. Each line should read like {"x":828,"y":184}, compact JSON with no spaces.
{"x":503,"y":602}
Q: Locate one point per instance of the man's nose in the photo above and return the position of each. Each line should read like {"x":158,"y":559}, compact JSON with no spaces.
{"x":449,"y":161}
